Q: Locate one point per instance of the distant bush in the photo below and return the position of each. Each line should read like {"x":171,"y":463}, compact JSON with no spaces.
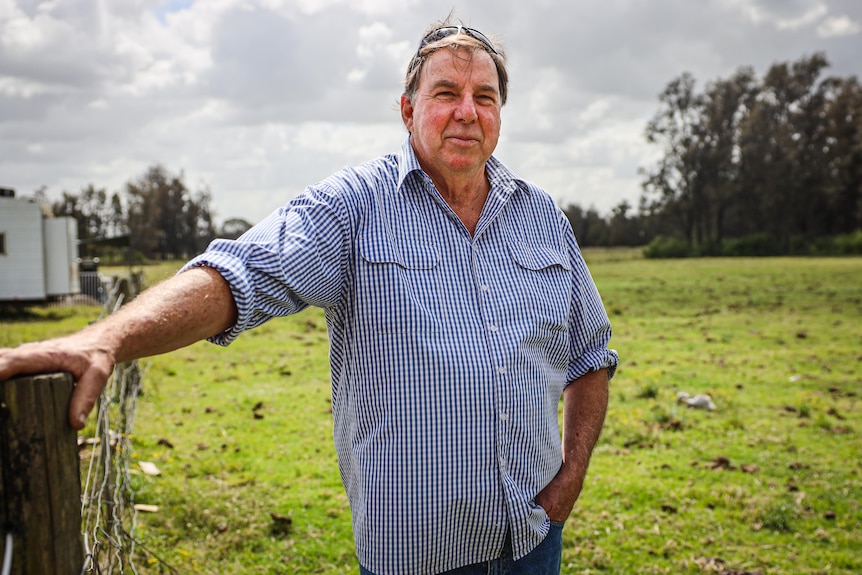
{"x":843,"y":245}
{"x":756,"y":245}
{"x":667,"y":247}
{"x":762,"y":244}
{"x":848,"y":244}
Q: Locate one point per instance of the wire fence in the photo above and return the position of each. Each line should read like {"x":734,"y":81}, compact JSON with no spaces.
{"x":109,"y":517}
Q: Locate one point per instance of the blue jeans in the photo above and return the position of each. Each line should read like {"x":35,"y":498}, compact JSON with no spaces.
{"x":543,"y":560}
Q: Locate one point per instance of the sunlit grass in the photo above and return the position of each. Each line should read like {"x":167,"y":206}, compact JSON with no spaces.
{"x":768,"y":483}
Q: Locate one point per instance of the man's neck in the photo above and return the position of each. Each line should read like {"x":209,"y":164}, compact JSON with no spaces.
{"x":466,"y":197}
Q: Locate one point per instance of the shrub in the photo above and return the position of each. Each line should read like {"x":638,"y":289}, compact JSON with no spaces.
{"x":843,"y":245}
{"x":667,"y":247}
{"x":761,"y":244}
{"x":848,"y":244}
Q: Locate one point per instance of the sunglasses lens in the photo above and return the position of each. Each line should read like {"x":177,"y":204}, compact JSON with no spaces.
{"x":438,"y":34}
{"x":482,"y":38}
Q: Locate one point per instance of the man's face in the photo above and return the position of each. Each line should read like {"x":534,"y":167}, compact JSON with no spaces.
{"x":454,"y":117}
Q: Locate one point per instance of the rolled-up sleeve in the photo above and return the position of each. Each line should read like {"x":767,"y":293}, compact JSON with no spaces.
{"x":589,"y":329}
{"x":292,"y":259}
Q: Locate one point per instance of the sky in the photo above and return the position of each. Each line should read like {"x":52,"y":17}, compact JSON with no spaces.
{"x":254,"y":100}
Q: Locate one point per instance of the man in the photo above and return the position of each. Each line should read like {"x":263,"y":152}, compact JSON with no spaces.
{"x":459,"y":311}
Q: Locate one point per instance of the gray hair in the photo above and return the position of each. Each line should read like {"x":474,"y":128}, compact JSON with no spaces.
{"x":464,"y":40}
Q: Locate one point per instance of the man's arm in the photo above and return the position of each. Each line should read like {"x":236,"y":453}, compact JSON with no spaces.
{"x":191,"y":306}
{"x":585,"y":402}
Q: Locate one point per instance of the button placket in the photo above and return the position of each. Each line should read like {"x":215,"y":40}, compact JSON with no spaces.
{"x":501,"y":371}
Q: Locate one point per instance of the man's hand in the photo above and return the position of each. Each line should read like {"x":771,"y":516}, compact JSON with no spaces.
{"x":585,"y":402}
{"x":91,"y":367}
{"x":559,"y":496}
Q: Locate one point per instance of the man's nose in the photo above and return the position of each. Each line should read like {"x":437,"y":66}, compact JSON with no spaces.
{"x":465,"y":111}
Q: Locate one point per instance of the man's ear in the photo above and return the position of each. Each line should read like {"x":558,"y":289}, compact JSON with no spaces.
{"x":407,"y":112}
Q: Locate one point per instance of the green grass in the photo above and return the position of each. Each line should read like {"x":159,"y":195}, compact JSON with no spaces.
{"x":776,"y":342}
{"x":768,"y":483}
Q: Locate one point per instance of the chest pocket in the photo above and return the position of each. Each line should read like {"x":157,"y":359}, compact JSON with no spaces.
{"x":547,"y":272}
{"x":398,"y":285}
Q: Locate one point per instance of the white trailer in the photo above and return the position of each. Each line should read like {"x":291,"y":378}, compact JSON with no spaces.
{"x":38,"y":255}
{"x":61,"y":256}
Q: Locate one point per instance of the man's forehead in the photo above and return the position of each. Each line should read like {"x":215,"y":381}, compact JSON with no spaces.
{"x":455,"y":66}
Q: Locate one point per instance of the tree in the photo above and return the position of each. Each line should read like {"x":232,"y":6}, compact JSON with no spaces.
{"x":697,"y":182}
{"x":89,"y":208}
{"x":673,"y":185}
{"x":233,"y":228}
{"x":780,"y":157}
{"x":725,"y":106}
{"x":781,"y":143}
{"x":842,"y":121}
{"x":165,"y":219}
{"x":625,"y":229}
{"x":117,"y":223}
{"x":589,"y":227}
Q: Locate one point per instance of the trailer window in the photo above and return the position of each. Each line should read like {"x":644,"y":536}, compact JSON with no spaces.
{"x":2,"y":243}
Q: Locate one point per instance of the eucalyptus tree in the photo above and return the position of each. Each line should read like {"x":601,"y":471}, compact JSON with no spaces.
{"x":165,"y":219}
{"x":672,"y":187}
{"x":726,"y":105}
{"x":90,"y":209}
{"x":781,"y":144}
{"x":842,"y":186}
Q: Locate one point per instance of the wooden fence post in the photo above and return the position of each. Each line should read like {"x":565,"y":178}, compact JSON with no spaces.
{"x":40,"y":482}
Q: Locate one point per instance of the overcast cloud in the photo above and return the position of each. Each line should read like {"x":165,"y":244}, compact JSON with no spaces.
{"x":255,"y":99}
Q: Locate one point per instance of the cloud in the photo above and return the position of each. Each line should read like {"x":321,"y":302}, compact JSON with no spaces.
{"x":255,"y":99}
{"x":838,"y":27}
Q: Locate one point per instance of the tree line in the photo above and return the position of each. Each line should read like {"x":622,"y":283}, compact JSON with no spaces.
{"x":155,"y":217}
{"x":748,"y":167}
{"x":779,"y":158}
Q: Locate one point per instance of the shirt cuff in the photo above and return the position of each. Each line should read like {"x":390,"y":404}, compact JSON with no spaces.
{"x":594,"y":361}
{"x":231,"y":269}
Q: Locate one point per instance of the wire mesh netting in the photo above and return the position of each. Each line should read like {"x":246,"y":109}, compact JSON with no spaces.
{"x":108,"y":512}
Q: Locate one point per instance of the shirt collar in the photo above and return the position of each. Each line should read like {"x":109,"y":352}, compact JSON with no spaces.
{"x":500,"y":177}
{"x":407,"y":162}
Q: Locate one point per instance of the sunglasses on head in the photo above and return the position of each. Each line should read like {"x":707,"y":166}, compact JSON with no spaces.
{"x":446,"y":31}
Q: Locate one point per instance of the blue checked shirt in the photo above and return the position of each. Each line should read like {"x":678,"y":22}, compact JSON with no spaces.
{"x":449,"y":353}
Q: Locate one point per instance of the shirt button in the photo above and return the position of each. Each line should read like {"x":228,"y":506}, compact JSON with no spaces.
{"x":504,"y":416}
{"x":492,"y":328}
{"x":501,"y":370}
{"x":484,"y":287}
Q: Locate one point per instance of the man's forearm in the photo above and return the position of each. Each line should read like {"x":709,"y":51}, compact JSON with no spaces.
{"x":189,"y":307}
{"x":585,"y":402}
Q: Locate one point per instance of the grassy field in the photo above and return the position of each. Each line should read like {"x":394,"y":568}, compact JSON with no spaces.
{"x":770,"y":482}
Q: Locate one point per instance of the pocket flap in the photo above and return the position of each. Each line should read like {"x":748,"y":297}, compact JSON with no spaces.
{"x":538,"y":257}
{"x":414,"y":256}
